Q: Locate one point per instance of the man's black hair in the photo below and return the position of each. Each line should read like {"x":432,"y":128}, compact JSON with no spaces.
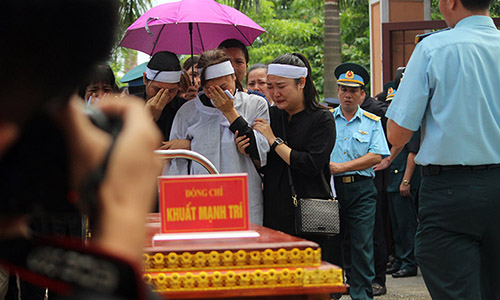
{"x":475,"y":5}
{"x":234,"y":43}
{"x":164,"y":61}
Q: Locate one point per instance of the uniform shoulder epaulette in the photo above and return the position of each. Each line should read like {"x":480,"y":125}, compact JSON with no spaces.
{"x":371,"y":116}
{"x":420,"y":37}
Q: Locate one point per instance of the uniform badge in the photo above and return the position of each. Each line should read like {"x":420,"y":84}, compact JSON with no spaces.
{"x":363,"y":132}
{"x":349,"y":75}
{"x":390,"y":91}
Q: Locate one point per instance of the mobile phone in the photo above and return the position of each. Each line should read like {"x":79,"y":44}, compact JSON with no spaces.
{"x":228,"y":93}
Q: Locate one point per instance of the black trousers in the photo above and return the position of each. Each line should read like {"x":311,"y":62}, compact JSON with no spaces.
{"x":381,"y":226}
{"x":357,"y":219}
{"x":457,"y":244}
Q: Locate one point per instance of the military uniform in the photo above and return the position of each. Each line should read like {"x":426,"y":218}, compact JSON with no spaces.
{"x":379,"y":108}
{"x":357,"y":194}
{"x":360,"y":135}
{"x":374,"y":106}
{"x":402,"y":209}
{"x":450,"y":89}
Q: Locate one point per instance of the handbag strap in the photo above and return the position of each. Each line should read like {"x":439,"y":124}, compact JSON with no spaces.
{"x":328,"y":187}
{"x":292,"y":188}
{"x":290,"y":181}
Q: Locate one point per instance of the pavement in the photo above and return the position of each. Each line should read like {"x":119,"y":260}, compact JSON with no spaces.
{"x":410,"y":288}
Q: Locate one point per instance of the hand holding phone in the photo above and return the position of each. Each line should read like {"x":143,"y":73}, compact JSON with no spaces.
{"x":228,"y":93}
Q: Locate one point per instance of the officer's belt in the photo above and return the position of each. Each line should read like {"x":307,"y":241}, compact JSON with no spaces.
{"x":350,"y":178}
{"x":431,"y":170}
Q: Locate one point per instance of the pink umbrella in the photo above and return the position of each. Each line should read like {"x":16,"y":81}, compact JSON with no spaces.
{"x":189,"y":27}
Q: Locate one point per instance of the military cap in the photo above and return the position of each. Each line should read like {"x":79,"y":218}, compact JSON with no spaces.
{"x":351,"y":74}
{"x":332,"y":102}
{"x":134,"y":76}
{"x":390,"y":90}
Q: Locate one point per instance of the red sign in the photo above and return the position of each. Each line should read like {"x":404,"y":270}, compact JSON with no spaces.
{"x":200,"y":203}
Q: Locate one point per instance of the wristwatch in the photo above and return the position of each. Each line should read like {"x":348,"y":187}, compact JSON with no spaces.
{"x":406,"y":182}
{"x":278,"y":141}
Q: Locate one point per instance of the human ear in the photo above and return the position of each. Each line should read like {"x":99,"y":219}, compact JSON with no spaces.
{"x":302,"y":82}
{"x":453,"y":4}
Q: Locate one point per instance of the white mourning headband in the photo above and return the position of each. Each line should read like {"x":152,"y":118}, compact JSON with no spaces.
{"x":163,"y":76}
{"x":287,"y":71}
{"x":218,"y":70}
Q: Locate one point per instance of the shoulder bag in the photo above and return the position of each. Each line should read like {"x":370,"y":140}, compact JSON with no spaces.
{"x":314,"y":216}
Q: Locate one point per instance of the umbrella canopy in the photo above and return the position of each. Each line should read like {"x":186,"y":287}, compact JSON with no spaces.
{"x":166,"y":27}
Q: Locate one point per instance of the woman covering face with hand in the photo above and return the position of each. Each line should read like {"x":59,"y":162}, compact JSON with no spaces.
{"x":214,"y":118}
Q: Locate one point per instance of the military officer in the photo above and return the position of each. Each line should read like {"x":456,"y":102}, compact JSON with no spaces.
{"x":450,"y":90}
{"x":380,"y":180}
{"x":360,"y":145}
{"x":404,"y":181}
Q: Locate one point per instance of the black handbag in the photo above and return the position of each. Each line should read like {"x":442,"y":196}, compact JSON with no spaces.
{"x":314,"y":216}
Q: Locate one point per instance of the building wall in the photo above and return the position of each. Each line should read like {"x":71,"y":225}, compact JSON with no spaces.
{"x":402,"y":45}
{"x":376,"y":47}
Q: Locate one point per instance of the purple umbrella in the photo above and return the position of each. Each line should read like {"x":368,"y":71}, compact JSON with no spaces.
{"x":189,"y":27}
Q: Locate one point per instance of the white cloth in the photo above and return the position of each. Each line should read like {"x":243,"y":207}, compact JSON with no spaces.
{"x":163,"y":76}
{"x":218,"y":70}
{"x":208,"y":130}
{"x":287,"y":71}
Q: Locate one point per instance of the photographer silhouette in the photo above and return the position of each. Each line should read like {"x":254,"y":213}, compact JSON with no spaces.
{"x":50,"y":151}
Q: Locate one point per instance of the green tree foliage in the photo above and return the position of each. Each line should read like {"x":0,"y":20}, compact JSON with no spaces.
{"x":130,"y":10}
{"x":435,"y":13}
{"x":495,"y":9}
{"x":292,"y":26}
{"x":123,"y":59}
{"x":242,"y":4}
{"x":355,"y":32}
{"x":298,"y":25}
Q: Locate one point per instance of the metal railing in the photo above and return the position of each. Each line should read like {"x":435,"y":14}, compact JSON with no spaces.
{"x":188,"y":154}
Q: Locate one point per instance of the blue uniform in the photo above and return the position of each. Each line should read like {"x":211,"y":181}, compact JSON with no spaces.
{"x":451,"y":88}
{"x":357,"y":196}
{"x":402,"y":209}
{"x":361,"y":135}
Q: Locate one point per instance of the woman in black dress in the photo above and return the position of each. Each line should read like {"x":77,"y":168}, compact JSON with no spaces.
{"x":308,"y":132}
